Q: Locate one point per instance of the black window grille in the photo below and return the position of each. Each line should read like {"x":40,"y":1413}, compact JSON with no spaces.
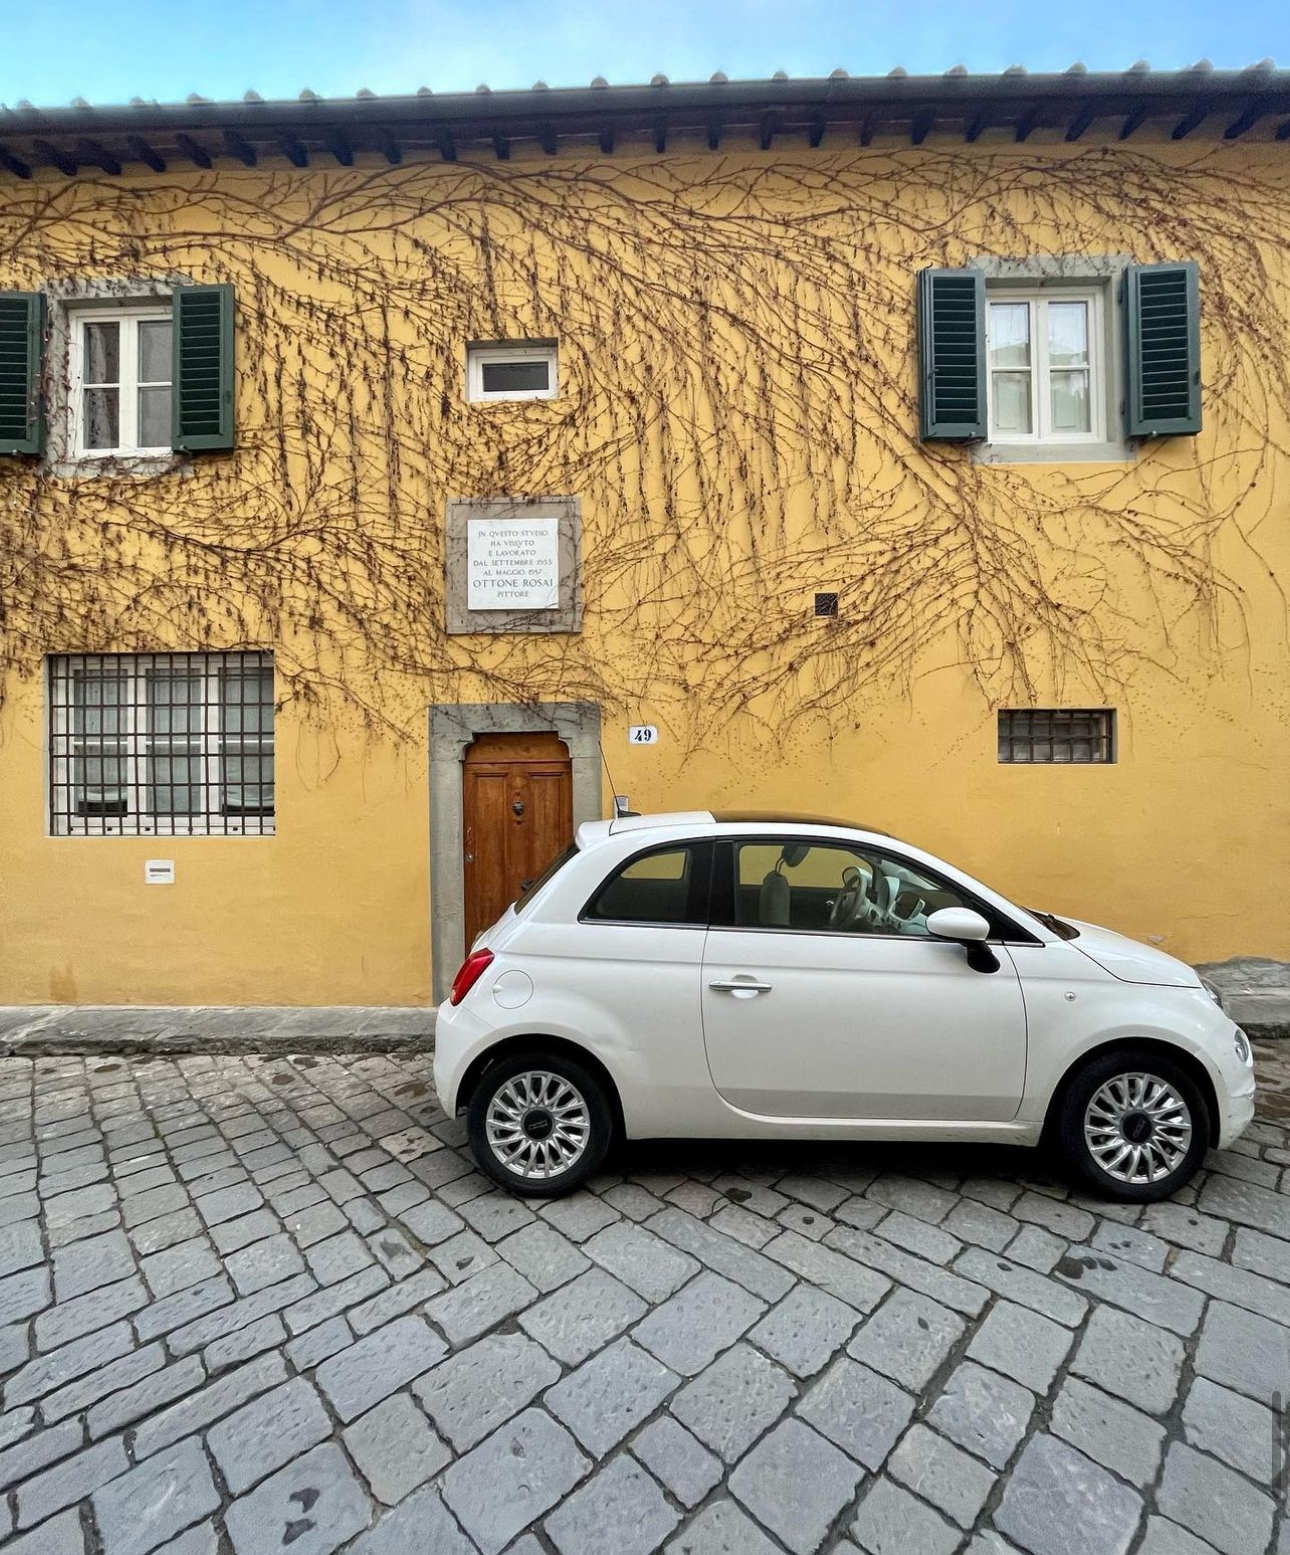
{"x":1057,"y":735}
{"x":826,"y":604}
{"x":161,"y":745}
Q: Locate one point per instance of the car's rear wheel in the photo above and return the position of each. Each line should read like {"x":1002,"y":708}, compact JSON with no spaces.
{"x":1133,"y":1125}
{"x":539,"y":1123}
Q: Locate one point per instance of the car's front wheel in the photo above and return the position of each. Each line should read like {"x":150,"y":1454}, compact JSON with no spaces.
{"x":539,"y":1123}
{"x":1133,"y":1125}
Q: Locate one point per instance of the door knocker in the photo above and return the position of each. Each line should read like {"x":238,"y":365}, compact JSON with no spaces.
{"x":518,"y":807}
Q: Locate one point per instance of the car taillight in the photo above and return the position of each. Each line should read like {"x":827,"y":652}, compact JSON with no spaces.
{"x":472,"y":969}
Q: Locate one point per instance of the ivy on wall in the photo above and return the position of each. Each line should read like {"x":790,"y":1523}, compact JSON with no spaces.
{"x":736,"y":412}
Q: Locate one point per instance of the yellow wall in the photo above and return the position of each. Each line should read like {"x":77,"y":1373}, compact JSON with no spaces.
{"x":737,"y":415}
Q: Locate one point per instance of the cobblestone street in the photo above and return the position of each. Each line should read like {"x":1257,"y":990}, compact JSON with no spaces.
{"x":252,"y":1305}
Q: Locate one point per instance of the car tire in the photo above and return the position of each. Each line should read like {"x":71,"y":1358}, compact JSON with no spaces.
{"x":1133,"y":1125}
{"x":539,"y":1124}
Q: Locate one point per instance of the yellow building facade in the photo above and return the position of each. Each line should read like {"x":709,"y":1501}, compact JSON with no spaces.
{"x":725,"y":301}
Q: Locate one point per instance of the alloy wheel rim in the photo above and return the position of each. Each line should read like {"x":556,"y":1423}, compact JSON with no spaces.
{"x":538,"y":1125}
{"x":1138,"y":1128}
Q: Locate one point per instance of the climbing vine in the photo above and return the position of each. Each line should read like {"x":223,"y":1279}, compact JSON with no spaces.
{"x":737,"y":412}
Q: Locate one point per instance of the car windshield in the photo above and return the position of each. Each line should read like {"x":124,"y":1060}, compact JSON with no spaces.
{"x":1056,"y":925}
{"x":530,"y":889}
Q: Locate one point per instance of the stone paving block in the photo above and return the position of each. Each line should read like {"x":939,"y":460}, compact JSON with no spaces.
{"x":1058,"y":1502}
{"x":609,"y":1395}
{"x":578,"y":1216}
{"x":1261,"y":1254}
{"x":984,"y":1412}
{"x":395,"y":1448}
{"x":198,"y":1410}
{"x":678,"y":1458}
{"x":312,"y":1224}
{"x":978,"y":1223}
{"x":1130,"y":1358}
{"x":512,"y":1478}
{"x":1162,"y":1301}
{"x":1186,"y":1226}
{"x":421,"y":1525}
{"x":154,"y":1204}
{"x":153,"y":1393}
{"x":755,"y":1197}
{"x":157,"y":1235}
{"x":160,"y":1498}
{"x":891,"y":1522}
{"x":1163,"y":1537}
{"x":84,"y":1266}
{"x":268,"y":1333}
{"x":543,"y":1256}
{"x":858,"y":1410}
{"x":1038,"y":1249}
{"x":815,"y":1191}
{"x":395,"y":1300}
{"x":830,"y":1271}
{"x":76,"y":1397}
{"x":1110,"y":1432}
{"x":1245,"y":1352}
{"x":61,"y":1535}
{"x":1022,"y":1345}
{"x":1063,"y":1220}
{"x":652,"y":1267}
{"x":622,"y":1496}
{"x":580,"y":1317}
{"x":183,"y":1307}
{"x":739,"y":1396}
{"x":706,"y":1317}
{"x":744,"y":1226}
{"x":721,"y":1528}
{"x":729,"y":1258}
{"x":462,"y":1256}
{"x":318,"y":1343}
{"x":232,"y":1235}
{"x":337,"y":1257}
{"x":495,"y":1215}
{"x":473,"y":1392}
{"x":919,"y":1237}
{"x":23,"y":1293}
{"x":268,"y":1432}
{"x":311,"y":1507}
{"x":175,"y":1268}
{"x":795,"y":1483}
{"x":951,"y":1290}
{"x":1248,"y":1204}
{"x":478,"y":1304}
{"x":1024,"y":1286}
{"x":263,"y":1263}
{"x":805,"y":1330}
{"x":907,"y":1338}
{"x":50,"y":1371}
{"x":1207,"y":1498}
{"x":319,"y":1305}
{"x":377,"y":1365}
{"x":941,"y":1473}
{"x":911,"y":1195}
{"x":70,"y":1481}
{"x":72,"y":1319}
{"x":632,"y":1200}
{"x":1127,"y":1242}
{"x":432,"y":1222}
{"x":1235,"y":1429}
{"x":1239,"y":1287}
{"x":24,"y":1458}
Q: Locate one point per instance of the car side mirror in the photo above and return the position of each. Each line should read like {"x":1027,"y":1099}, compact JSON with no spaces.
{"x":968,"y":928}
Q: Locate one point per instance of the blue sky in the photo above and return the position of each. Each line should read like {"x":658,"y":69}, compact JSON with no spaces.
{"x":105,"y":52}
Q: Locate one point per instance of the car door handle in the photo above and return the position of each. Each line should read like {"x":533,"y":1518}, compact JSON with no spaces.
{"x":739,"y":985}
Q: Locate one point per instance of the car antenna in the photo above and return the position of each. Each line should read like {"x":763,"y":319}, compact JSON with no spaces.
{"x":620,"y":810}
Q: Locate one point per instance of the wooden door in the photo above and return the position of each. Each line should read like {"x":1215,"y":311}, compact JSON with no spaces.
{"x":517,"y":804}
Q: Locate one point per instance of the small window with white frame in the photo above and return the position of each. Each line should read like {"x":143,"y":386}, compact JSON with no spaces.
{"x":161,"y":745}
{"x":120,"y":381}
{"x":1047,"y":379}
{"x":524,"y":371}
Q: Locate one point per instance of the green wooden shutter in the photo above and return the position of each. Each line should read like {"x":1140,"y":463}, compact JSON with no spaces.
{"x":1162,"y":346}
{"x":22,"y":349}
{"x":202,"y":398}
{"x":951,"y":354}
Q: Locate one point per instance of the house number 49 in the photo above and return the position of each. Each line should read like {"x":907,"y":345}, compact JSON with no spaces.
{"x":642,"y":734}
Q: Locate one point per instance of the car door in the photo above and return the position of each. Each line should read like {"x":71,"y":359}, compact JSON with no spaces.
{"x":820,"y":1001}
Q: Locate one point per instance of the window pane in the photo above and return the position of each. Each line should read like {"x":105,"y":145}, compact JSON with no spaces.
{"x":154,"y":418}
{"x":247,"y":779}
{"x":246,"y":700}
{"x":510,"y":377}
{"x":102,"y":353}
{"x":174,"y":704}
{"x":653,"y":889}
{"x":102,"y":418}
{"x":1072,"y":406}
{"x":1011,"y":402}
{"x":99,"y":702}
{"x":154,"y":351}
{"x":815,"y":888}
{"x":1067,"y":334}
{"x":174,"y":783}
{"x":1009,"y":334}
{"x":99,"y":782}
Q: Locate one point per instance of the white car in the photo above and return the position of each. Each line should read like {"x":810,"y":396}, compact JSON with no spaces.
{"x":770,"y":977}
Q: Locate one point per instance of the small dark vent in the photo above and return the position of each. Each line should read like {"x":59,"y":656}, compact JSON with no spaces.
{"x":826,"y":604}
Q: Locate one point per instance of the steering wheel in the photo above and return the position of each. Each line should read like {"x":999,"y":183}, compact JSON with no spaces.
{"x":850,"y":899}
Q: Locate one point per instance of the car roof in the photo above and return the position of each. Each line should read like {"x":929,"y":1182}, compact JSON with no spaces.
{"x":591,"y":833}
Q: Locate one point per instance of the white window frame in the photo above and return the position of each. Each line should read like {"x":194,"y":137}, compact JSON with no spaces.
{"x":128,"y":383}
{"x":133,"y":738}
{"x":1041,"y":432}
{"x":478,"y":356}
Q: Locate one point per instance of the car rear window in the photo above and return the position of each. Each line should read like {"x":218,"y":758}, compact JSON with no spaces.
{"x":653,"y":887}
{"x":529,"y":891}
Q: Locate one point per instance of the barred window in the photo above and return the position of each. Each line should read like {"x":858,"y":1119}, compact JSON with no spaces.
{"x":1062,"y":735}
{"x":161,"y":744}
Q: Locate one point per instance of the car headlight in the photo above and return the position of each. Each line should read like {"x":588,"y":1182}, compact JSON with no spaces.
{"x":1242,"y":1045}
{"x":1213,"y":992}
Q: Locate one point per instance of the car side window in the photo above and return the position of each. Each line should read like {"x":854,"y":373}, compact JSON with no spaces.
{"x":827,"y":887}
{"x":650,"y":888}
